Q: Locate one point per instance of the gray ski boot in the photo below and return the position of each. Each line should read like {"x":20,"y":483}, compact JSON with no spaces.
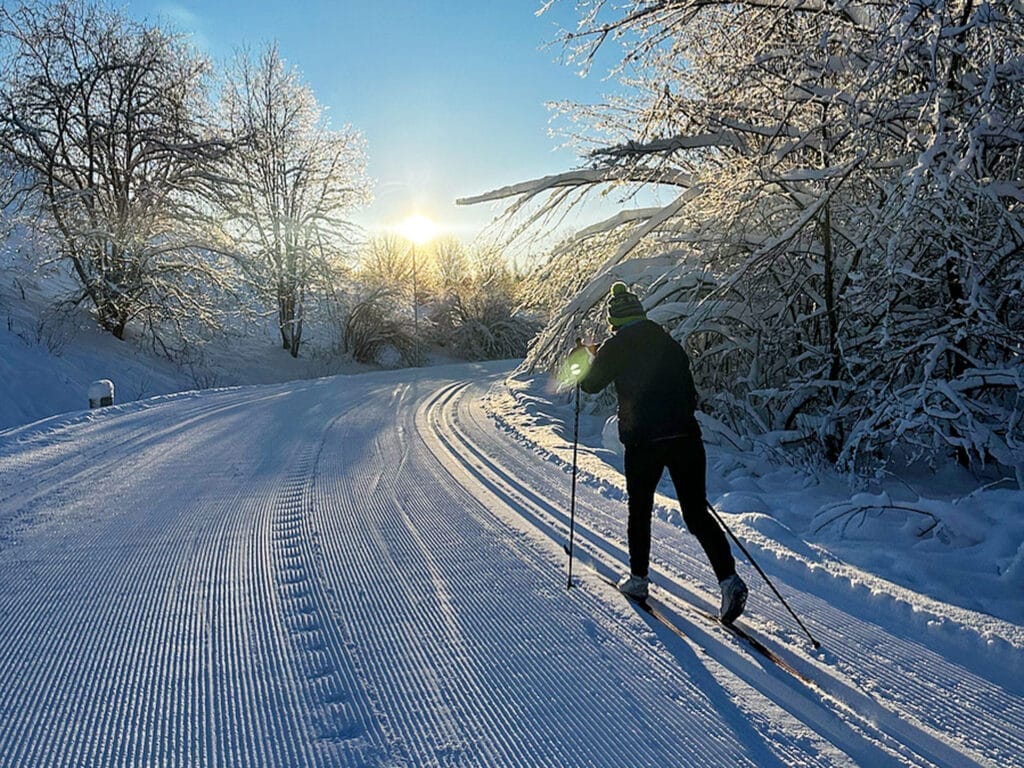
{"x":734,"y":599}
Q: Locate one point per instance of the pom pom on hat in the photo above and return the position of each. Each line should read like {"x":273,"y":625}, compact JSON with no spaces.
{"x":623,"y":307}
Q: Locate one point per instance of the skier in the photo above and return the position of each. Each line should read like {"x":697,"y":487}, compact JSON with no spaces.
{"x":657,"y":399}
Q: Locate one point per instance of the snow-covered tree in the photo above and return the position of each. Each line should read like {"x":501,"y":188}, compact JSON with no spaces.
{"x":102,"y":128}
{"x":841,"y":246}
{"x":385,"y":260}
{"x":293,"y":184}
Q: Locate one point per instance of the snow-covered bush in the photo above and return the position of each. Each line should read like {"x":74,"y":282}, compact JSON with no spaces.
{"x":467,"y":298}
{"x":481,"y":321}
{"x":376,"y":329}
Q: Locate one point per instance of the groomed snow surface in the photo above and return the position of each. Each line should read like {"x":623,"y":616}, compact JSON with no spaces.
{"x":369,"y":571}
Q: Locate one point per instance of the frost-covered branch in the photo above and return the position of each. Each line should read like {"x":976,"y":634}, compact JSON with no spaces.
{"x":842,"y":253}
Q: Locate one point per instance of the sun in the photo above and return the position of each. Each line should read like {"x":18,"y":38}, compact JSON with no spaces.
{"x":419,"y":229}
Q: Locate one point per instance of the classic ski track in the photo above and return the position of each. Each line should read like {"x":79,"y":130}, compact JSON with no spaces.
{"x":918,"y":712}
{"x":865,"y":752}
{"x":448,"y":566}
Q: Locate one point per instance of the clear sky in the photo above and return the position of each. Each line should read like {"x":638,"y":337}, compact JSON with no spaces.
{"x":449,"y":94}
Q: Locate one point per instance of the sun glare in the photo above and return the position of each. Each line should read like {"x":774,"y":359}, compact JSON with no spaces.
{"x":419,"y":229}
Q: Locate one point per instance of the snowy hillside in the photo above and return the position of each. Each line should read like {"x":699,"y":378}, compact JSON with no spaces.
{"x":49,"y":358}
{"x":368,"y":570}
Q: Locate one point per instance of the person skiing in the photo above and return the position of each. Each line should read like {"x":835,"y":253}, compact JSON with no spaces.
{"x":657,"y":427}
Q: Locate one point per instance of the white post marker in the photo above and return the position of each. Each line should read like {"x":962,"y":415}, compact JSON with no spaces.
{"x":101,"y":393}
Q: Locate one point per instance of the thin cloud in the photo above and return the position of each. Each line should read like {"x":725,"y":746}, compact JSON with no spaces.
{"x":187,"y":21}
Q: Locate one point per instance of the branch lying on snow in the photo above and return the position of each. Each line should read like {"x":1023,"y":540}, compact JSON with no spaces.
{"x":845,"y":509}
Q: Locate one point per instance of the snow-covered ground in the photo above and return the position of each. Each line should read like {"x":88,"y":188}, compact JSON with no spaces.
{"x":368,"y":570}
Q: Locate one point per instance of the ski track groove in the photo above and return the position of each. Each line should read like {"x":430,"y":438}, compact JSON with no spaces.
{"x":419,"y":531}
{"x":525,"y":555}
{"x":906,"y":677}
{"x":790,"y":753}
{"x":392,"y":548}
{"x":898,"y":674}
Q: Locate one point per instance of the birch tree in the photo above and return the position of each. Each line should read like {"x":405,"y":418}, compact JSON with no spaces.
{"x":293,"y":185}
{"x":102,"y":126}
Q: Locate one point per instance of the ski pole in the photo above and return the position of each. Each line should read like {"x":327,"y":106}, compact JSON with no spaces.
{"x":572,"y":497}
{"x":764,"y":576}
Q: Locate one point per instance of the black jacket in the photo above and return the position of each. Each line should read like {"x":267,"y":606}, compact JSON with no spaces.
{"x":652,"y":378}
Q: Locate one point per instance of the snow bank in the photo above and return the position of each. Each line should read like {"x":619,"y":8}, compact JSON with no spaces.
{"x":946,"y":548}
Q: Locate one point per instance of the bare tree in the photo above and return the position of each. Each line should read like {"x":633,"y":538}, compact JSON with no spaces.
{"x":101,"y":122}
{"x":385,"y":261}
{"x":292,"y":186}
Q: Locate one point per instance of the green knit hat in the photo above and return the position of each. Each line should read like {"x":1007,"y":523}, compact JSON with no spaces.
{"x":623,"y":306}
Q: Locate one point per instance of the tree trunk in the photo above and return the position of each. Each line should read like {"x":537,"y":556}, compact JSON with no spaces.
{"x":833,"y":440}
{"x":290,"y":320}
{"x":285,"y":316}
{"x":296,"y":336}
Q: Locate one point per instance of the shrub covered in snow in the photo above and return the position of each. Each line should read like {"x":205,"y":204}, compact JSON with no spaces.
{"x":377,"y":331}
{"x":480,"y":319}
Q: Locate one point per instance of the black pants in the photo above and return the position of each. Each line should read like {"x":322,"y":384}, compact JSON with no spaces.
{"x":687,"y":465}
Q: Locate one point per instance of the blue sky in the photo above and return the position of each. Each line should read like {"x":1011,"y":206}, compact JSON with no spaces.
{"x":449,"y":94}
